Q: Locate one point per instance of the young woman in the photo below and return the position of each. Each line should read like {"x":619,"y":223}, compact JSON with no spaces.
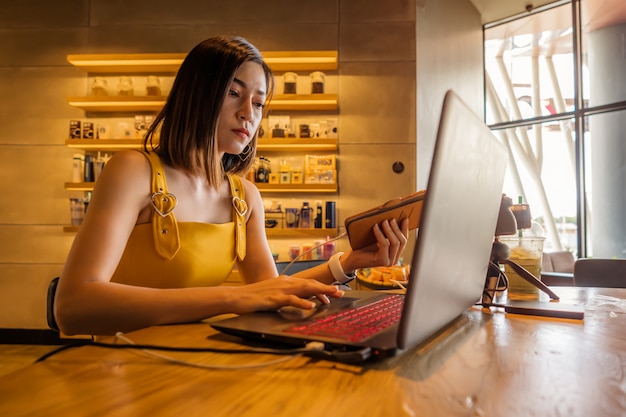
{"x":166,"y":226}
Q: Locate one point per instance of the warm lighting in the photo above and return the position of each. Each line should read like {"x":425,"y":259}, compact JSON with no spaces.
{"x":154,"y":104}
{"x":297,"y":188}
{"x":100,"y":144}
{"x":170,"y":62}
{"x":297,"y":144}
{"x":79,"y":186}
{"x":281,"y":144}
{"x":127,"y":63}
{"x":117,"y":103}
{"x":304,"y":102}
{"x":301,"y":60}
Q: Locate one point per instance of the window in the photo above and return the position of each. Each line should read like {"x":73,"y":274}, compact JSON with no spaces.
{"x":556,"y":96}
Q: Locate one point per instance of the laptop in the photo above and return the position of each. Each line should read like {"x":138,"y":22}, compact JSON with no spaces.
{"x":450,"y":258}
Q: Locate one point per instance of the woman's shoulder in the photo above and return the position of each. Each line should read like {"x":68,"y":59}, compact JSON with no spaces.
{"x":249,"y":187}
{"x":129,"y":159}
{"x":130,"y":164}
{"x":130,"y":155}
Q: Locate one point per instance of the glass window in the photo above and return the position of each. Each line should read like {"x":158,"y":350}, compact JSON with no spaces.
{"x":548,"y":186}
{"x":605,"y":184}
{"x":558,"y":101}
{"x":529,"y":67}
{"x":604,"y":65}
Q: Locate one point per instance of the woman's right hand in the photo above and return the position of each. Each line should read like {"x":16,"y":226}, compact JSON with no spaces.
{"x":272,"y":294}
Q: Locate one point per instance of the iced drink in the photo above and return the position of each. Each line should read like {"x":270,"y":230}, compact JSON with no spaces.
{"x":526,"y":252}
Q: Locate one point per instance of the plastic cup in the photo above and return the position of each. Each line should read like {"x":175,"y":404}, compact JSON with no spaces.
{"x":527,"y":252}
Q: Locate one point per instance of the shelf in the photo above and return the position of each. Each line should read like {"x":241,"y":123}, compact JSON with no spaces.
{"x":79,"y":186}
{"x":271,"y":233}
{"x":296,"y":188}
{"x":297,"y":233}
{"x":295,"y":102}
{"x":169,"y":64}
{"x":264,"y":145}
{"x":104,"y":144}
{"x":304,"y":102}
{"x":297,"y":144}
{"x":263,"y":187}
{"x":279,"y":61}
{"x":118,"y":103}
{"x":127,"y":63}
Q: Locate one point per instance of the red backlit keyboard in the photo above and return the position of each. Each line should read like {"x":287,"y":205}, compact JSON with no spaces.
{"x":354,"y":324}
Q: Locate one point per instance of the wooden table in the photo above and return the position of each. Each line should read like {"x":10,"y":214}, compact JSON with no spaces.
{"x":491,"y":365}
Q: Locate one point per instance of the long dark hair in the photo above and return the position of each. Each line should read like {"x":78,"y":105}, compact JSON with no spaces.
{"x":184,"y":132}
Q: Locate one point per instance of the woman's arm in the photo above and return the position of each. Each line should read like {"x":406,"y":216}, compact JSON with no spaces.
{"x":259,"y":264}
{"x":88,"y":303}
{"x":391,"y":240}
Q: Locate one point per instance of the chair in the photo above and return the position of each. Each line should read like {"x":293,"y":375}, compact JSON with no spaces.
{"x":560,"y":261}
{"x":52,"y":290}
{"x":593,"y":272}
{"x":557,"y":268}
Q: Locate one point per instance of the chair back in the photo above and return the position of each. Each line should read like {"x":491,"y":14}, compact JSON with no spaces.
{"x":52,"y":290}
{"x":561,"y":261}
{"x":595,"y":272}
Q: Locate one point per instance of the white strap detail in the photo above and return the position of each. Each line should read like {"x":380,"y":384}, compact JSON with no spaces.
{"x":337,"y":270}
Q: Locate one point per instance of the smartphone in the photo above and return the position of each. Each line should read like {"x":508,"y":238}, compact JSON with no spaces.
{"x":545,"y":309}
{"x":360,"y":227}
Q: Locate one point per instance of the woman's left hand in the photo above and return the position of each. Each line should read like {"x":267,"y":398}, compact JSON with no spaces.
{"x":391,"y":240}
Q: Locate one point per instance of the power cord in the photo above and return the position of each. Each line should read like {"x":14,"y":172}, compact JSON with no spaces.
{"x":312,"y":349}
{"x":170,"y":359}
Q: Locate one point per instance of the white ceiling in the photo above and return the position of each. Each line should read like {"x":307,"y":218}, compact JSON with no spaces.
{"x":594,"y":14}
{"x":493,"y":10}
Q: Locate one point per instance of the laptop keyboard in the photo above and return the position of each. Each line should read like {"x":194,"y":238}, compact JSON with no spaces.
{"x":354,"y":324}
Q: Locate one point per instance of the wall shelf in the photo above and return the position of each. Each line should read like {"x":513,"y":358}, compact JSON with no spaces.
{"x":279,"y":61}
{"x":168,"y":64}
{"x":130,"y":104}
{"x":104,"y":144}
{"x":300,"y":233}
{"x":299,"y":102}
{"x":296,"y":188}
{"x":108,"y":104}
{"x":79,"y":186}
{"x":271,"y":233}
{"x":297,"y":144}
{"x":264,"y":145}
{"x":263,"y":187}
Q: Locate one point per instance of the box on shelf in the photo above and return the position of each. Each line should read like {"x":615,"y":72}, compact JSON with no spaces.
{"x":274,"y":178}
{"x":319,"y":162}
{"x":320,"y":176}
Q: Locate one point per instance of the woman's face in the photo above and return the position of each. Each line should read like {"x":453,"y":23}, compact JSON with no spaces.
{"x":242,"y":109}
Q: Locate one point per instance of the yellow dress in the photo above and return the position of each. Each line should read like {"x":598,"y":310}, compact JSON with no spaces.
{"x":168,"y":254}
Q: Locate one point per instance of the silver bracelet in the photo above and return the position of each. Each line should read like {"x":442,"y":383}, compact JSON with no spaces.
{"x":337,"y":270}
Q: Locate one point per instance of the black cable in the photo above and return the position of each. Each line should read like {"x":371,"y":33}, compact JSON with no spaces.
{"x":291,"y":351}
{"x":62,"y":348}
{"x":355,"y":356}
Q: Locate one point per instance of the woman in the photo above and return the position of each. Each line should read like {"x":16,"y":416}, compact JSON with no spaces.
{"x":166,"y":226}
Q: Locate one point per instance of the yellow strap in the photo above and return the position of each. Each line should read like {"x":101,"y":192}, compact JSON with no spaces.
{"x":164,"y":227}
{"x":240,"y":208}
